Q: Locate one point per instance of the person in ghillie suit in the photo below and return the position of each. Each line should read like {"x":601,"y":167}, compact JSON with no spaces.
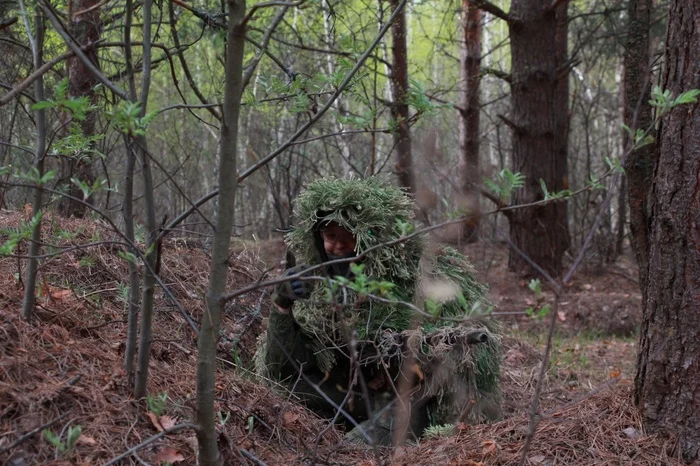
{"x":356,"y":333}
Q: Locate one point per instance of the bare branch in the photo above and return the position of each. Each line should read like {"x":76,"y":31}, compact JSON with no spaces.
{"x":31,"y":433}
{"x":257,"y":6}
{"x":507,"y":77}
{"x":493,"y":9}
{"x":248,"y":73}
{"x":79,"y":53}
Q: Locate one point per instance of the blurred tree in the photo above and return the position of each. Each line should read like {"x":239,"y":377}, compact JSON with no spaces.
{"x":399,"y":105}
{"x":470,"y":110}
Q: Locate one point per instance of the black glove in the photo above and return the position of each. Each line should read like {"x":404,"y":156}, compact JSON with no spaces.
{"x":287,"y":292}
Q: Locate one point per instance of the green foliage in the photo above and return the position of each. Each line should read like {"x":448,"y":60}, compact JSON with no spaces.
{"x":565,"y":194}
{"x":505,"y":183}
{"x":98,"y":185}
{"x":417,"y":98}
{"x":16,"y":235}
{"x":156,"y":404}
{"x":123,"y":290}
{"x":615,"y":165}
{"x":664,"y":102}
{"x":127,"y":118}
{"x":639,"y":137}
{"x":34,"y":177}
{"x":127,"y":256}
{"x":362,"y":284}
{"x":223,"y":419}
{"x":537,"y":311}
{"x":440,"y":430}
{"x":76,"y":144}
{"x":77,"y":107}
{"x":72,"y":437}
{"x":594,"y":183}
{"x":86,"y":261}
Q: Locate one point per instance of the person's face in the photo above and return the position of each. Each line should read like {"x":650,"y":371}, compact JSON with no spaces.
{"x":337,"y":241}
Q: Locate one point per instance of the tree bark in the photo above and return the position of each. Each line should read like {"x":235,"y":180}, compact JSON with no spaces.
{"x":128,"y":211}
{"x":211,"y":320}
{"x":149,"y":279}
{"x":470,"y":64}
{"x":639,"y":164}
{"x":399,"y":108}
{"x":668,"y":373}
{"x":39,"y":155}
{"x":539,"y":232}
{"x":562,"y":118}
{"x":85,"y":27}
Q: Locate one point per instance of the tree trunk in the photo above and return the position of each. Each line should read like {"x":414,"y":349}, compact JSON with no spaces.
{"x":149,"y":279}
{"x":85,"y":28}
{"x":470,"y":65}
{"x":539,"y":232}
{"x":211,"y":320}
{"x":668,"y":372}
{"x":35,"y":244}
{"x":639,"y":164}
{"x":563,"y":118}
{"x":128,"y":211}
{"x":399,"y":108}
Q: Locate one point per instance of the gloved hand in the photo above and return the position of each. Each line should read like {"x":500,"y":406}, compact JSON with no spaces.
{"x":289,"y":291}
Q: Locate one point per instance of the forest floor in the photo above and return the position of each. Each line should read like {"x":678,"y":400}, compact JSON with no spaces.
{"x":66,"y":368}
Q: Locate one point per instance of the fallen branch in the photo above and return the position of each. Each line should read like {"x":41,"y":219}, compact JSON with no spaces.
{"x":252,"y":457}
{"x":31,"y":433}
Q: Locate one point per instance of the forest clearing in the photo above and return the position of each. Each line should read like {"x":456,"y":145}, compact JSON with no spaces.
{"x":349,"y":232}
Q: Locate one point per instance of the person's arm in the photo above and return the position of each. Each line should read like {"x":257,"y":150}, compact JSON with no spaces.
{"x":287,"y":345}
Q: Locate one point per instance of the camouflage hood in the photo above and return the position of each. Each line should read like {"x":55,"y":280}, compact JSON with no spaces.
{"x":374,"y":211}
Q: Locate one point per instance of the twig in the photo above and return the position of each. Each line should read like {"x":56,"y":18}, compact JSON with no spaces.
{"x":252,"y":457}
{"x":149,"y":441}
{"x":540,"y":379}
{"x":32,"y":432}
{"x":257,"y":6}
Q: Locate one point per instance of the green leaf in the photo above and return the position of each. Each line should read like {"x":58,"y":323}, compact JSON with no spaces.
{"x":54,"y":440}
{"x":61,"y":90}
{"x":44,"y":104}
{"x":688,"y":97}
{"x":127,"y":256}
{"x":84,"y":187}
{"x":73,"y":436}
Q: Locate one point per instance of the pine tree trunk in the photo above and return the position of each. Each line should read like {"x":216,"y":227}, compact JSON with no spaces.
{"x":539,"y":232}
{"x":639,"y":164}
{"x":470,"y":65}
{"x":668,"y":372}
{"x":85,"y":28}
{"x":562,"y":117}
{"x":399,"y":108}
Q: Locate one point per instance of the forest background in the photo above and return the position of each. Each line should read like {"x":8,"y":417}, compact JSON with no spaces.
{"x":533,"y":124}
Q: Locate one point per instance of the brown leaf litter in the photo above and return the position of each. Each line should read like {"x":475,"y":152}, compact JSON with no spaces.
{"x":70,"y":360}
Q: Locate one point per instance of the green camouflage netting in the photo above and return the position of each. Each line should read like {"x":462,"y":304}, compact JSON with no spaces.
{"x":376,"y":213}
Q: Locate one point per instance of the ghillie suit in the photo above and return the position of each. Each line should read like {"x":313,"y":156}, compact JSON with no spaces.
{"x":453,"y":368}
